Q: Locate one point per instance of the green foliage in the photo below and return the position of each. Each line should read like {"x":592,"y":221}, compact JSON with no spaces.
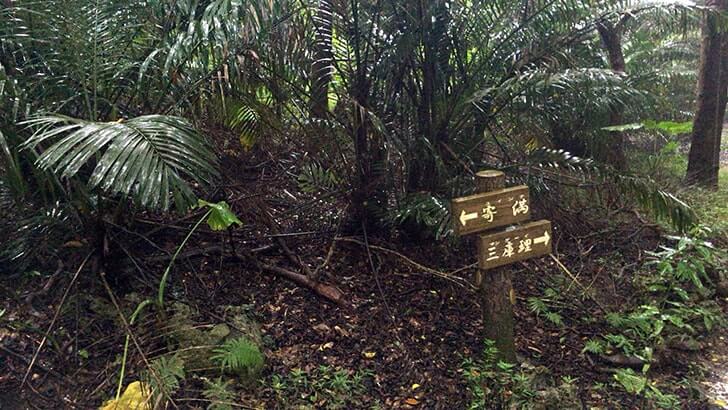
{"x":144,"y":158}
{"x":639,"y":188}
{"x":315,"y":178}
{"x":638,"y":384}
{"x":323,"y":387}
{"x":239,"y":356}
{"x":676,"y":307}
{"x":164,"y":377}
{"x":544,"y":306}
{"x":495,"y":384}
{"x":424,"y":215}
{"x":219,"y":393}
{"x":692,"y":265}
{"x":668,"y":127}
{"x":220,"y":216}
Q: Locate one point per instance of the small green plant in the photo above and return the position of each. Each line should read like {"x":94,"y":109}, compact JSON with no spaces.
{"x":324,"y":387}
{"x":676,"y":304}
{"x":219,"y":393}
{"x":544,"y":306}
{"x":219,"y":217}
{"x":164,"y":377}
{"x":239,"y":356}
{"x":495,"y":384}
{"x":315,"y":178}
{"x":691,"y":265}
{"x":639,"y":385}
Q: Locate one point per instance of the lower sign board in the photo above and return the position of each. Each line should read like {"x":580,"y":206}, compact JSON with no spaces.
{"x":524,"y":242}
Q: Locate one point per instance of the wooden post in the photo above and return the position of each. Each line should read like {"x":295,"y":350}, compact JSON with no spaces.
{"x":494,"y":287}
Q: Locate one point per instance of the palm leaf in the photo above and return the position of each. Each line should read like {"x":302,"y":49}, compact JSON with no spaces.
{"x":145,"y":158}
{"x":644,"y":191}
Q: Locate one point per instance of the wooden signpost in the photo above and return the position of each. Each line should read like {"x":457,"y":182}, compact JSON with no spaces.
{"x":495,"y":206}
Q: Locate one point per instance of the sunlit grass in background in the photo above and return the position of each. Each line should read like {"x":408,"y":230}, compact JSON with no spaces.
{"x":668,"y":167}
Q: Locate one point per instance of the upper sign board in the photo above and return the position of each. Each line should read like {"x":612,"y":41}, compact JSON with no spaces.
{"x":477,"y":213}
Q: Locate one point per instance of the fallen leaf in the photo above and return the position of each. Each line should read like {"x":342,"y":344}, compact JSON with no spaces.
{"x":415,"y":386}
{"x":325,"y":346}
{"x":370,"y":355}
{"x":412,"y":402}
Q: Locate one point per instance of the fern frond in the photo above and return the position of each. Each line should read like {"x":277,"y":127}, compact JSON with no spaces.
{"x":169,"y":372}
{"x":219,"y":394}
{"x":314,"y":177}
{"x":424,"y":213}
{"x":239,"y":355}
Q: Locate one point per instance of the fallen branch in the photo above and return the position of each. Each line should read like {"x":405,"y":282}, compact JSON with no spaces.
{"x":328,"y":292}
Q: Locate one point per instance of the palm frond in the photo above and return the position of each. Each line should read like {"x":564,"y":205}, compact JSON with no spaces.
{"x":145,"y":158}
{"x":644,"y":191}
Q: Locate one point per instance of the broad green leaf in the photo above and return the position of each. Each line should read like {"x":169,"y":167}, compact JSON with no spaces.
{"x":221,"y":217}
{"x":632,"y":382}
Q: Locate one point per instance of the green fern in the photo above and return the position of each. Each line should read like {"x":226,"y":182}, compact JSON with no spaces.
{"x":424,"y":215}
{"x":239,"y":356}
{"x":219,"y":394}
{"x":594,"y":346}
{"x":315,"y":178}
{"x":164,"y":377}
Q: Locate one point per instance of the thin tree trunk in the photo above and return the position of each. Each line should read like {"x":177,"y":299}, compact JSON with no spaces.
{"x":703,"y":164}
{"x":722,"y":101}
{"x":611,"y":37}
{"x":323,"y":60}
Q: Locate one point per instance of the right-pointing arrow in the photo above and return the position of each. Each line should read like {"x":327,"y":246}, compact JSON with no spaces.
{"x":543,"y":239}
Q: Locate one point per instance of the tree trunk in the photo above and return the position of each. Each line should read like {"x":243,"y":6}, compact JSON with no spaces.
{"x":703,"y":164}
{"x":495,"y":288}
{"x":369,"y":192}
{"x":611,"y":36}
{"x":323,"y":61}
{"x":722,"y":100}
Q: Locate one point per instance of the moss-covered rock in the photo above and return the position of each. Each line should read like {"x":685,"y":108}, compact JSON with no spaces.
{"x":200,"y":346}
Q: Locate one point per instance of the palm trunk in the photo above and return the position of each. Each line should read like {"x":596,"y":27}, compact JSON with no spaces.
{"x":611,"y":37}
{"x":703,"y":164}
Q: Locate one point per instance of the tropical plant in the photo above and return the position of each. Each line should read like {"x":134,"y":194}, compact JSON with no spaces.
{"x":239,"y":356}
{"x":144,"y":158}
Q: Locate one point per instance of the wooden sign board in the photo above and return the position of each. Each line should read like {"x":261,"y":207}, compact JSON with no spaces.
{"x":477,"y":213}
{"x":524,"y":242}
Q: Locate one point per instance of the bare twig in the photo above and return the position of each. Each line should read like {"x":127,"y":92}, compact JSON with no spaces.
{"x":576,"y":280}
{"x":456,"y":280}
{"x":53,"y":322}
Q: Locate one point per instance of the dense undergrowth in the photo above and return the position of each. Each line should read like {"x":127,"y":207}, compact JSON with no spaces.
{"x":224,"y":204}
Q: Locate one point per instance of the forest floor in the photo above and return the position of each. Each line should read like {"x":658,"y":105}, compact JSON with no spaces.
{"x":411,"y":323}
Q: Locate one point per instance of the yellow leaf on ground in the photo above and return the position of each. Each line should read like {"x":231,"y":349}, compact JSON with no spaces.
{"x":415,"y":386}
{"x":370,"y":355}
{"x":135,"y":397}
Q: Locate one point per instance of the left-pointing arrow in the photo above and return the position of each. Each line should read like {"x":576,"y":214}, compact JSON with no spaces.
{"x":543,"y":239}
{"x":465,"y":217}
